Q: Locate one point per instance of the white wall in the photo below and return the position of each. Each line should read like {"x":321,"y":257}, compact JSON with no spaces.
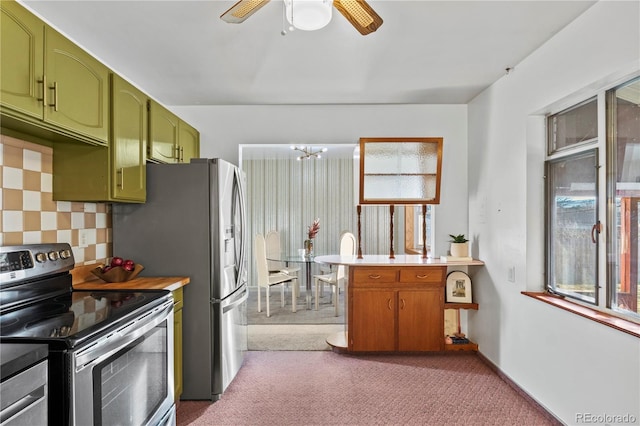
{"x":224,"y":128}
{"x":569,"y":364}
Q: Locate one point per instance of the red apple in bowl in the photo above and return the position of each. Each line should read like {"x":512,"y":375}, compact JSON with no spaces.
{"x":128,"y":265}
{"x":117,"y":261}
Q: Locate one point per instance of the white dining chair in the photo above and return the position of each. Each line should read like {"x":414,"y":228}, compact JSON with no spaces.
{"x":267,"y":280}
{"x":334,"y":279}
{"x":274,"y":251}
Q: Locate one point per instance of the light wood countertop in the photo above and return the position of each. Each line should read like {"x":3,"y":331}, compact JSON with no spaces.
{"x":83,"y":279}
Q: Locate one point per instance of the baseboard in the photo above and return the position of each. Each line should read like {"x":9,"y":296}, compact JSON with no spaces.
{"x":550,"y":416}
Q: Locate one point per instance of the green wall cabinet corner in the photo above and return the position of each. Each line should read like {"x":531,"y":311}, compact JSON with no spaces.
{"x":82,"y":172}
{"x":171,"y":140}
{"x":50,"y":87}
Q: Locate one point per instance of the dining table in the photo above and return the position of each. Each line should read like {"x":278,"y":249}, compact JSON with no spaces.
{"x":305,"y":261}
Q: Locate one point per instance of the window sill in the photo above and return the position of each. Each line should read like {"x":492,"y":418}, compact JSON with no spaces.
{"x":603,"y":318}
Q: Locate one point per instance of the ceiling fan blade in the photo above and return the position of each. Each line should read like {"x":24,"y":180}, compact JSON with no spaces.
{"x":242,"y":10}
{"x":360,"y":14}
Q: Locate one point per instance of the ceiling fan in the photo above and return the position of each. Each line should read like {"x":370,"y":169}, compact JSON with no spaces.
{"x":357,"y":12}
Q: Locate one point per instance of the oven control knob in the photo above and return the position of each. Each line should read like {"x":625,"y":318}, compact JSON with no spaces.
{"x":41,"y":257}
{"x":53,"y":255}
{"x":65,"y":254}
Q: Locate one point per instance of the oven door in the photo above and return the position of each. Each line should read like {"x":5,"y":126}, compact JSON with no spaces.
{"x":126,"y":377}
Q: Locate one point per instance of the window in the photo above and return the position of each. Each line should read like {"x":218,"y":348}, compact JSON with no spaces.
{"x":413,"y":223}
{"x":578,"y":193}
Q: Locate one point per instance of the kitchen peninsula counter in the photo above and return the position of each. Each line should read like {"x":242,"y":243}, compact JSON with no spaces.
{"x":396,"y":305}
{"x":400,"y":260}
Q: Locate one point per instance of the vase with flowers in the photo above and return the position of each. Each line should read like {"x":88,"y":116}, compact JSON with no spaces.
{"x":312,"y":231}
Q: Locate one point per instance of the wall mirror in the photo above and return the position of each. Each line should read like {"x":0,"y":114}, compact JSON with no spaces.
{"x":400,"y":170}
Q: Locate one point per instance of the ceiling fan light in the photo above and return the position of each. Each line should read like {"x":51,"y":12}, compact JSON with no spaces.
{"x":309,"y":15}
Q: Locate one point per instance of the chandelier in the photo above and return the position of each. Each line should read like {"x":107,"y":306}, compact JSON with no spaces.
{"x":308,"y":152}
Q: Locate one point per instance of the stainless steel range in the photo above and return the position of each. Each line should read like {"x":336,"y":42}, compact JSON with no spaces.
{"x":110,"y":353}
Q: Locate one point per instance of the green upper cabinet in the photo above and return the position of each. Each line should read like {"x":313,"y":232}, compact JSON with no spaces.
{"x":129,"y":123}
{"x":50,"y":87}
{"x":117,"y":173}
{"x":171,"y":140}
{"x":77,"y":89}
{"x":163,"y":134}
{"x":22,"y":64}
{"x":188,"y":141}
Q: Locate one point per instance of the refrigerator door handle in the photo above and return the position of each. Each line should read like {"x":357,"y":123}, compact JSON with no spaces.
{"x":239,"y":194}
{"x":234,"y":304}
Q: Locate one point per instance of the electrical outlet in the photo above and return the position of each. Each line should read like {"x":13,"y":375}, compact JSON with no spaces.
{"x":82,"y":238}
{"x":511,"y":274}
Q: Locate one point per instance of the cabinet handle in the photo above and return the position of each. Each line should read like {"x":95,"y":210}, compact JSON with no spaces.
{"x":403,"y":304}
{"x":182,"y":154}
{"x":422,"y":276}
{"x":374,"y":277}
{"x":55,"y":96}
{"x":120,"y":172}
{"x":43,"y":82}
{"x":389,"y":304}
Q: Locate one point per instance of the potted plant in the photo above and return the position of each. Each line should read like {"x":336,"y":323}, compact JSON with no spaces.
{"x":459,"y":245}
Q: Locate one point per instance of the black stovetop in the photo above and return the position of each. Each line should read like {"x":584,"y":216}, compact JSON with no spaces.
{"x":70,"y":319}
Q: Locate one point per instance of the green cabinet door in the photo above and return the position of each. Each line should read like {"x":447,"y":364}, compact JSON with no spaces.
{"x":189,"y":142}
{"x":163,"y":134}
{"x":128,"y":141}
{"x":77,"y":89}
{"x":22,"y":62}
{"x":97,"y":173}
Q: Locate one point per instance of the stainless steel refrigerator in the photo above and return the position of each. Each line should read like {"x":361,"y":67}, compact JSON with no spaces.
{"x":193,"y":224}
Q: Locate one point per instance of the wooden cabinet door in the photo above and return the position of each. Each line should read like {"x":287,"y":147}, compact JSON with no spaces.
{"x":373,"y":325}
{"x":128,"y":141}
{"x":77,"y":89}
{"x":421,"y":320}
{"x":163,"y":134}
{"x":22,"y":67}
{"x":189,"y":140}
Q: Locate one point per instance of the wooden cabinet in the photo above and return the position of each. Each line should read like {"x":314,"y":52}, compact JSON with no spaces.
{"x":21,"y":40}
{"x":83,"y":172}
{"x":171,"y":140}
{"x":396,"y":309}
{"x":188,"y":142}
{"x":178,"y":302}
{"x":400,"y":170}
{"x":129,"y":127}
{"x":49,"y":84}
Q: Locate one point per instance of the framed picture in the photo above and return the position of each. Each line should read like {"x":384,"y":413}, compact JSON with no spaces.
{"x":458,"y":287}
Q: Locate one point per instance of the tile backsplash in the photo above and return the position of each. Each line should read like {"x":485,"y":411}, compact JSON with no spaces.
{"x":31,"y":216}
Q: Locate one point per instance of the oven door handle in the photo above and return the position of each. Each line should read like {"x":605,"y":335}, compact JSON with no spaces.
{"x":122,"y":337}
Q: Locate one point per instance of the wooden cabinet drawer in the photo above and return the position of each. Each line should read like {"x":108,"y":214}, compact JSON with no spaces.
{"x":375,"y":275}
{"x":423,"y":275}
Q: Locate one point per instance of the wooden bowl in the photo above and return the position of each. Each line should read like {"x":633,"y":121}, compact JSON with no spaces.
{"x":117,"y":274}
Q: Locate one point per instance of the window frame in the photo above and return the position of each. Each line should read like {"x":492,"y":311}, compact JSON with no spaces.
{"x":608,"y":258}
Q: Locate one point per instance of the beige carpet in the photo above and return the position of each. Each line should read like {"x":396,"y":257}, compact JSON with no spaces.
{"x":291,"y":337}
{"x":325,"y":388}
